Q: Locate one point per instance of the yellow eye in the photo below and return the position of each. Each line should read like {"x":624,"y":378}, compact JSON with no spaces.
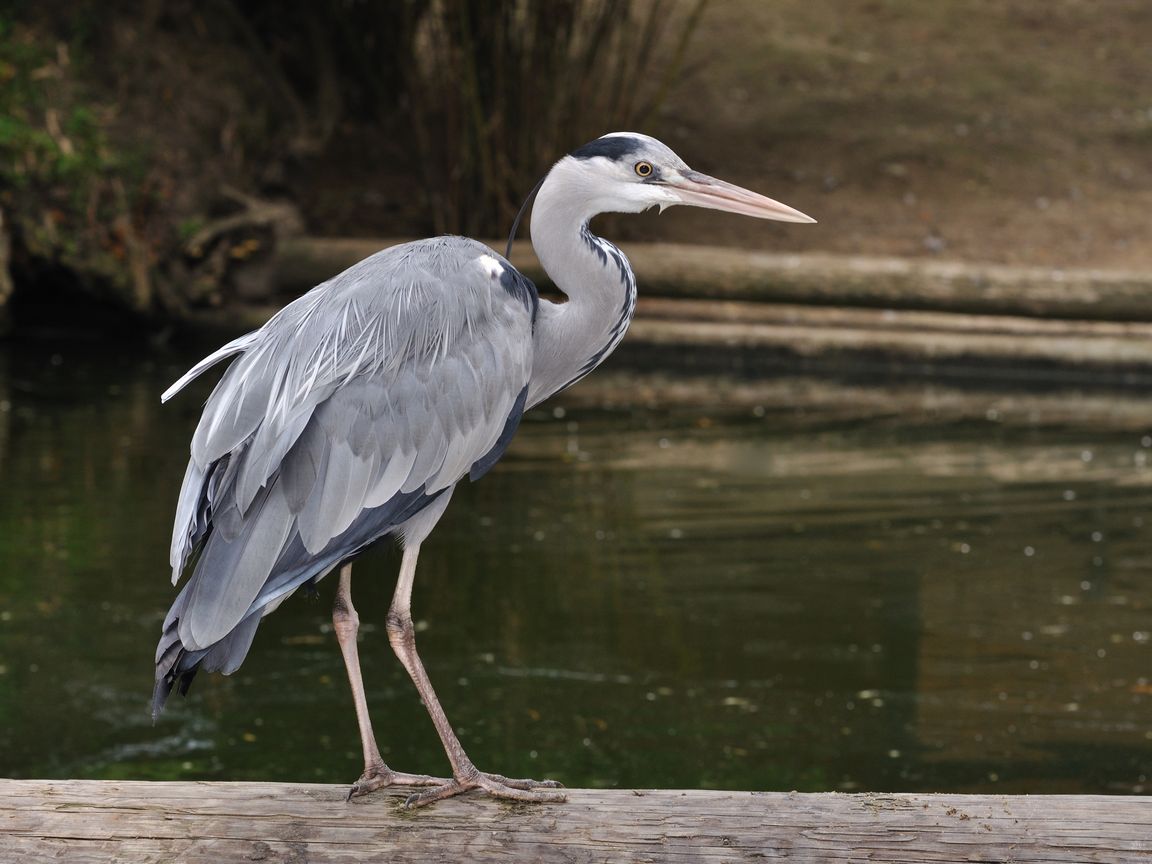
{"x":644,"y":169}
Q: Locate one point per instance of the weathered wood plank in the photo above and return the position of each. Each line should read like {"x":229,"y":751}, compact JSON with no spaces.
{"x":692,"y":271}
{"x":826,"y":311}
{"x":137,"y":822}
{"x":824,"y":333}
{"x":909,"y":335}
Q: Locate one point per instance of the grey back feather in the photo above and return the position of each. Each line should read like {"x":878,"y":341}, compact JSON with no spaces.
{"x":386,"y":384}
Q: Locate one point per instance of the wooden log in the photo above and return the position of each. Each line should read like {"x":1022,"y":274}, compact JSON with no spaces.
{"x":943,"y":319}
{"x":898,"y":283}
{"x":832,"y":335}
{"x":910,"y":335}
{"x":130,"y":822}
{"x":679,"y":270}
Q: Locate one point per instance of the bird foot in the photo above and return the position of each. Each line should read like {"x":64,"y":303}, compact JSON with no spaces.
{"x":531,"y":791}
{"x":378,"y":776}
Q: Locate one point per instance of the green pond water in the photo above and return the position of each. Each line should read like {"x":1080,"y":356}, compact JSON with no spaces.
{"x":730,"y":588}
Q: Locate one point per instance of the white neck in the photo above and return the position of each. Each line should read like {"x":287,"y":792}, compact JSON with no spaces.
{"x":573,"y":338}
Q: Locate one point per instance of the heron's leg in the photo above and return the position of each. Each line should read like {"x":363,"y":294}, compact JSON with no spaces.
{"x":465,"y":775}
{"x":346,"y":623}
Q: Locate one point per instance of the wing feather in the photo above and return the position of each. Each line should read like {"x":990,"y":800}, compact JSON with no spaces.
{"x":391,"y":474}
{"x":190,"y":524}
{"x":236,"y":346}
{"x":230,"y":573}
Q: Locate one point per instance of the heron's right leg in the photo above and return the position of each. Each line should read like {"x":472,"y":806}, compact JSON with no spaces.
{"x":346,"y":623}
{"x":465,"y":775}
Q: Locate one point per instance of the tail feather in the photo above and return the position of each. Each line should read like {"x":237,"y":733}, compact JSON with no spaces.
{"x":176,"y":665}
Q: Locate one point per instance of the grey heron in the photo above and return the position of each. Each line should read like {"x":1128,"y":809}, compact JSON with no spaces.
{"x":354,"y":412}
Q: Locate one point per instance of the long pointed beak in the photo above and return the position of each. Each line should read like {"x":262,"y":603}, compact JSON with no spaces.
{"x":700,"y":190}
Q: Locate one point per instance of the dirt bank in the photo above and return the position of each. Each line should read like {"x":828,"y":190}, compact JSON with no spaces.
{"x":1013,"y":133}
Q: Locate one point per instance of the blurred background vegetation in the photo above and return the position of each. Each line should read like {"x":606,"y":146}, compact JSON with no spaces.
{"x":147,"y":147}
{"x":153,"y":153}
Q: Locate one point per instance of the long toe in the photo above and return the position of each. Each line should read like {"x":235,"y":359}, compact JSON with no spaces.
{"x":528,"y":791}
{"x":399,"y":778}
{"x":523,"y":784}
{"x":379,"y":776}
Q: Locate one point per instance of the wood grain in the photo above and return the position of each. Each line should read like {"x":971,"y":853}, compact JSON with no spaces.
{"x":136,"y":822}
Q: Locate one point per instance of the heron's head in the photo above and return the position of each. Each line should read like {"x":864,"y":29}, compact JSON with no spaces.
{"x":626,"y":172}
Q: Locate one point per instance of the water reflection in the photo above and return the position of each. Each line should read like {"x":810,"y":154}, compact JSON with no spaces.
{"x":771,"y":585}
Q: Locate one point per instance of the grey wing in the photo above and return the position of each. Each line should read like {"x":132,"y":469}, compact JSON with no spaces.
{"x":354,"y":407}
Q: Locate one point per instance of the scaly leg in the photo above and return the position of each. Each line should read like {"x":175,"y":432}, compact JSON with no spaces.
{"x":465,"y":775}
{"x":376,"y":774}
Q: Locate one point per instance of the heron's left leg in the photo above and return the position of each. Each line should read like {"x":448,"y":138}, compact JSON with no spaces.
{"x":465,"y":775}
{"x":346,"y":623}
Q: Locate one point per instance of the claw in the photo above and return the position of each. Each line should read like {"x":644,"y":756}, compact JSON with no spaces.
{"x":528,"y":791}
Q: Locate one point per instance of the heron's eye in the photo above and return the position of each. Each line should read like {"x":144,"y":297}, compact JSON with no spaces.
{"x":644,"y":169}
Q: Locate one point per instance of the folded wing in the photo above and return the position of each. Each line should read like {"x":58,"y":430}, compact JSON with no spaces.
{"x":352,"y":409}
